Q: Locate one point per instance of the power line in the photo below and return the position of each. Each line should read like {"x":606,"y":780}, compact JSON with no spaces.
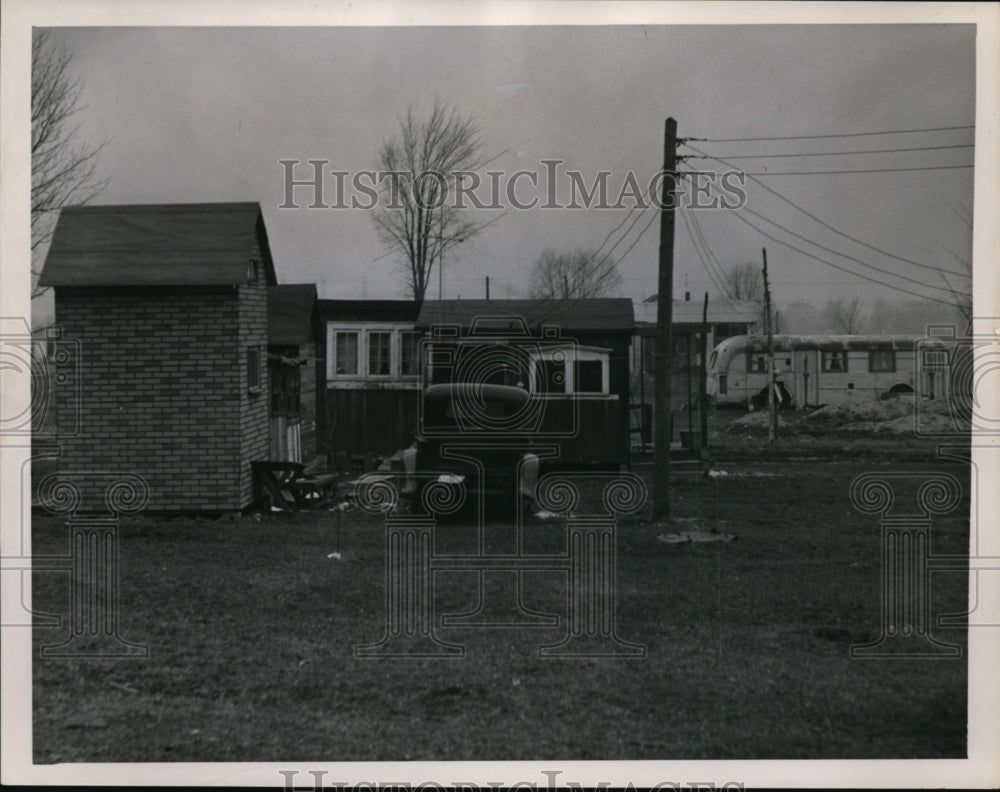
{"x":864,"y":170}
{"x":836,"y":266}
{"x":719,"y":271}
{"x":713,"y":261}
{"x":837,"y":231}
{"x":645,"y":228}
{"x":560,"y":305}
{"x":697,"y":250}
{"x":838,"y":153}
{"x":833,"y":135}
{"x":612,"y":231}
{"x":627,"y":232}
{"x":844,"y":255}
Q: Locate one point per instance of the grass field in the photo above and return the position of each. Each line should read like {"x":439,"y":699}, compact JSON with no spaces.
{"x":250,"y":626}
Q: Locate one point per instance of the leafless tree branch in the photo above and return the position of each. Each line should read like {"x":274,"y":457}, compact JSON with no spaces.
{"x":579,"y":274}
{"x":844,"y":316}
{"x":414,"y":214}
{"x":744,"y":282}
{"x":63,"y":168}
{"x":960,"y":287}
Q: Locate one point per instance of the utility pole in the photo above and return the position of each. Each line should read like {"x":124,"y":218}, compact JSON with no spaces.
{"x":772,"y":412}
{"x":664,"y":316}
{"x":703,"y":384}
{"x":487,"y":287}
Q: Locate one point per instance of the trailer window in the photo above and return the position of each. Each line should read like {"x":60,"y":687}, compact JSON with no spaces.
{"x":882,"y":360}
{"x":835,"y":361}
{"x":756,"y":362}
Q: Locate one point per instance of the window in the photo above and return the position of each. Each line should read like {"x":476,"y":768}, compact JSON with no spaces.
{"x":756,"y":362}
{"x":835,"y":361}
{"x":252,"y":271}
{"x":253,"y":369}
{"x":584,"y":371}
{"x":589,"y":376}
{"x":379,"y":353}
{"x":409,"y":353}
{"x":723,"y":384}
{"x":345,"y":360}
{"x":935,"y":358}
{"x":881,"y":360}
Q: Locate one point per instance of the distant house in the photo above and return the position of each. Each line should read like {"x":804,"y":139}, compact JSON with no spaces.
{"x":726,"y":318}
{"x":574,"y":353}
{"x":296,"y":362}
{"x":372,"y":375}
{"x":169,"y":304}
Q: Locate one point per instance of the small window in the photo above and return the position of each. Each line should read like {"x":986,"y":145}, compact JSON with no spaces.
{"x":883,"y":360}
{"x":379,"y":353}
{"x":253,"y":369}
{"x":346,"y":354}
{"x":835,"y":361}
{"x":409,"y":353}
{"x":723,"y":384}
{"x":589,"y":376}
{"x":935,"y":358}
{"x":756,"y":362}
{"x":252,"y":268}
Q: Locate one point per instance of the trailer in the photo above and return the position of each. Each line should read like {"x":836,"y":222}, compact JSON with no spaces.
{"x":815,"y":370}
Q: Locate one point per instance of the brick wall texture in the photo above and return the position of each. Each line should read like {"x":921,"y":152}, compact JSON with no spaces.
{"x":164,"y":391}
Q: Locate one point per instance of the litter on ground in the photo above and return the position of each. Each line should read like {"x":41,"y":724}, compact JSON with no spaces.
{"x":714,"y":473}
{"x":695,"y":536}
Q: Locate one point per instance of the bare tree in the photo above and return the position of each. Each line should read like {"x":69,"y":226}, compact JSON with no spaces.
{"x":844,"y":316}
{"x":582,"y":273}
{"x":960,"y":283}
{"x":63,"y":168}
{"x":415,"y":215}
{"x":744,"y":282}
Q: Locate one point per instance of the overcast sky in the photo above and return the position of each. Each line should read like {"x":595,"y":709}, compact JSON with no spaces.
{"x":201,"y":115}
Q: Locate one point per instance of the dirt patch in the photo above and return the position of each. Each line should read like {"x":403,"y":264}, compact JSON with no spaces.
{"x":755,"y":422}
{"x":889,"y":416}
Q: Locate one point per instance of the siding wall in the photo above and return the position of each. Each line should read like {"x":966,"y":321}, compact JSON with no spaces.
{"x":254,"y":428}
{"x":308,"y":411}
{"x":360,"y":420}
{"x":160,"y":395}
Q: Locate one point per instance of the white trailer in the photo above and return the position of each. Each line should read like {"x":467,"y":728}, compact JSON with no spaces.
{"x":823,"y":369}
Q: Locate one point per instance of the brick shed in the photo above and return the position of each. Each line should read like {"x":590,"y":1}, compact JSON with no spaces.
{"x":169,"y":305}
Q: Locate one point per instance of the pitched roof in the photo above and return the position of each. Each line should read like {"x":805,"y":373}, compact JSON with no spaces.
{"x":599,"y":313}
{"x":369,"y":310}
{"x":156,"y":245}
{"x":292,"y":314}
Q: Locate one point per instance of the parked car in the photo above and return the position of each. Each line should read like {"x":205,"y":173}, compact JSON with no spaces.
{"x":474,"y":440}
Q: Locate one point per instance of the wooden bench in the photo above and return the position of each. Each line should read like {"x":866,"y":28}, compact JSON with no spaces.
{"x":288,"y":487}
